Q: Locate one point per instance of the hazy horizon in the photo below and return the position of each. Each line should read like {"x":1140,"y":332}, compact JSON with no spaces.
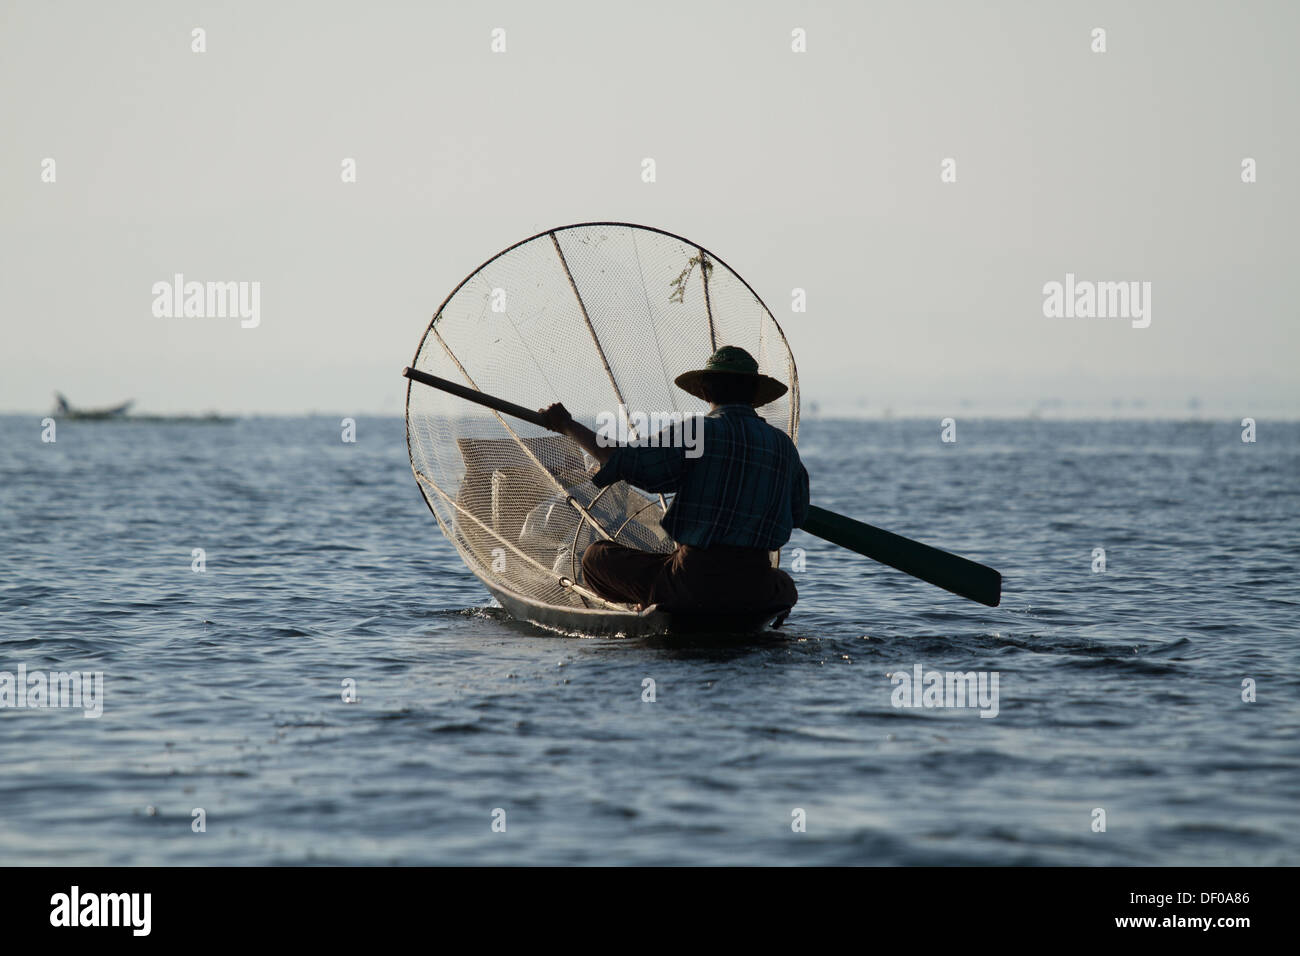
{"x":817,"y":170}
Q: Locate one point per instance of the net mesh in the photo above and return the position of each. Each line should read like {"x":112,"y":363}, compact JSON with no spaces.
{"x":596,"y":316}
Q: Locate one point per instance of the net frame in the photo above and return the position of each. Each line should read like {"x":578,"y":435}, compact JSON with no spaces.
{"x":462,"y":522}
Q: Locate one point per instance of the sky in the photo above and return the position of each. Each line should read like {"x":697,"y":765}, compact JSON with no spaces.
{"x":819,"y":170}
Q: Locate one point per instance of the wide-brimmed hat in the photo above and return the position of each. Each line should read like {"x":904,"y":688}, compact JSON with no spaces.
{"x":732,"y":362}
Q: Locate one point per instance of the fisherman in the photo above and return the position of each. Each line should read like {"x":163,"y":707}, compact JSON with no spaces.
{"x":734,"y":504}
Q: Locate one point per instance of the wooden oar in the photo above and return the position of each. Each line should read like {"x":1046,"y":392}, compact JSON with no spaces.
{"x":949,"y":571}
{"x":941,"y":568}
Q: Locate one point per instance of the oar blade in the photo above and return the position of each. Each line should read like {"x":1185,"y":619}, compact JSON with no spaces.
{"x":951,"y":572}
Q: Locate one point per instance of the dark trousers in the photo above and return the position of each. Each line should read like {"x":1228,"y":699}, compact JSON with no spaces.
{"x":688,"y":579}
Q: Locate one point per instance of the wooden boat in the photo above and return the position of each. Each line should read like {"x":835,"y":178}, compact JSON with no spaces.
{"x":524,"y":542}
{"x":629,"y":623}
{"x":64,"y":409}
{"x":118,"y":413}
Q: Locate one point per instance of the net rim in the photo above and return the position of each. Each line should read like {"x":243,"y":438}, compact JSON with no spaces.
{"x":553,"y":232}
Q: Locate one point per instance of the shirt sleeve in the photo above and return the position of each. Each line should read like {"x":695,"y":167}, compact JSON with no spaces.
{"x":651,"y":469}
{"x":799,"y":505}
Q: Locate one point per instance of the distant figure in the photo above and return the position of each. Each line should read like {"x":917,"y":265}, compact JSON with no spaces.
{"x":734,"y":504}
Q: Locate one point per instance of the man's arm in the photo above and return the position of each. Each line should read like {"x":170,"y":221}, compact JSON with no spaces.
{"x":558,"y":419}
{"x":658,"y":467}
{"x":799,"y":506}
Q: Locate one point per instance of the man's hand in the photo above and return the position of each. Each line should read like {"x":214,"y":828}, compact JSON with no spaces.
{"x":557,"y":418}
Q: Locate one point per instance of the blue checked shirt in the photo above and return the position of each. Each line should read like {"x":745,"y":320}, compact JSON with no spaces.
{"x":747,"y":489}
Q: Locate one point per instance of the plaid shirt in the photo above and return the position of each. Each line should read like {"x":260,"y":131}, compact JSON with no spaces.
{"x":747,"y":489}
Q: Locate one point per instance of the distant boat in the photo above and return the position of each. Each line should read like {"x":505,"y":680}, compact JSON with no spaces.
{"x":118,"y":413}
{"x":65,"y":409}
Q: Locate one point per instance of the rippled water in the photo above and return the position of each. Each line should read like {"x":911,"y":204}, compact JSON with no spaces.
{"x":1119,"y":690}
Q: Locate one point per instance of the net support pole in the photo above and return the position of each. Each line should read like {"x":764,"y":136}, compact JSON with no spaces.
{"x":600,"y":349}
{"x":531,"y":417}
{"x":708,"y":303}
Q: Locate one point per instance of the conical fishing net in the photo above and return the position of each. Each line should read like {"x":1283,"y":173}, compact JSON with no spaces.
{"x":597,"y":316}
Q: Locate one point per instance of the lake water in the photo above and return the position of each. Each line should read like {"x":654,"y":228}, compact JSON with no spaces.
{"x":1118,"y":690}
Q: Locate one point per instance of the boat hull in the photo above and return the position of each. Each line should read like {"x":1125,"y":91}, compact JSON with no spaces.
{"x":651,"y":621}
